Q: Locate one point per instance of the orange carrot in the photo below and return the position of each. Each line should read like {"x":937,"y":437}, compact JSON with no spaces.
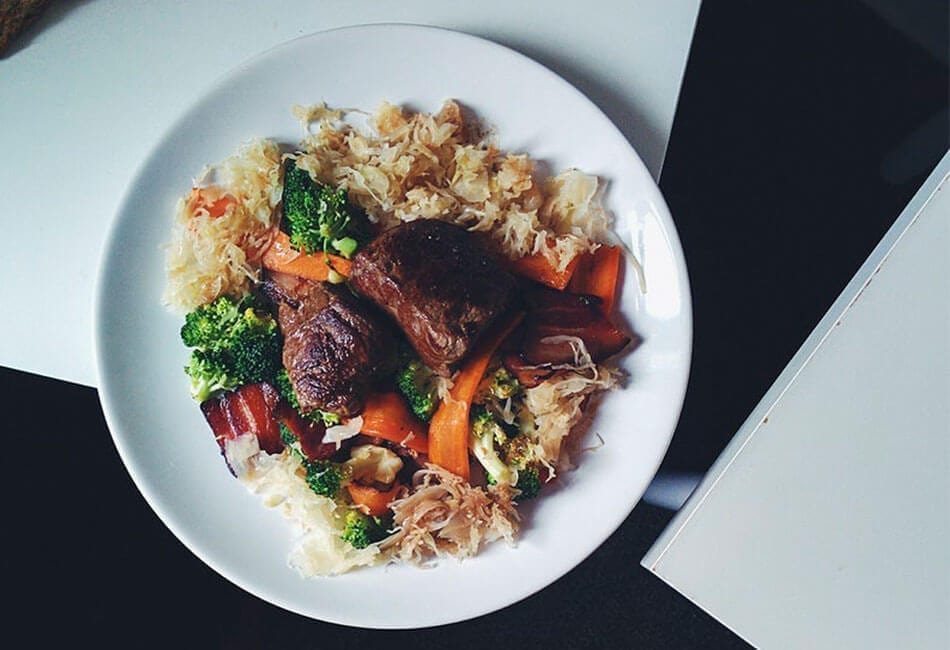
{"x":211,"y":199}
{"x":537,"y":267}
{"x":599,"y":274}
{"x":449,"y":428}
{"x":284,"y":258}
{"x":370,"y":500}
{"x":386,"y":416}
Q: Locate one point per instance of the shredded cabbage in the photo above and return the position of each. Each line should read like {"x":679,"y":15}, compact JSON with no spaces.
{"x":445,"y":516}
{"x":318,"y":521}
{"x":424,"y":166}
{"x":212,"y":255}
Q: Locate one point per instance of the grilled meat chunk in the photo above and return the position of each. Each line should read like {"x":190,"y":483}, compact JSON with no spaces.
{"x":439,"y":284}
{"x":335,"y":345}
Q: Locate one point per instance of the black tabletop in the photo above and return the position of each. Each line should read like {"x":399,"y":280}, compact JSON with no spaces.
{"x":801,"y":132}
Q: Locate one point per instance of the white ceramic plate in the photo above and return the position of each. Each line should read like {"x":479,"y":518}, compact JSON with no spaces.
{"x":161,"y":434}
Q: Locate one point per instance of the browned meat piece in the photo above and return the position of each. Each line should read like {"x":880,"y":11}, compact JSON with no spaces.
{"x":334,"y":344}
{"x":438,"y":283}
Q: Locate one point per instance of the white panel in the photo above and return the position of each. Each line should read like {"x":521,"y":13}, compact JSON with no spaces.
{"x":825,"y":524}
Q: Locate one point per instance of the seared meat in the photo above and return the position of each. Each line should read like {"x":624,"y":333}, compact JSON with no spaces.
{"x":335,"y":345}
{"x":438,"y":283}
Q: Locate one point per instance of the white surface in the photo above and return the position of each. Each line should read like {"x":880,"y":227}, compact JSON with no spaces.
{"x":88,"y":93}
{"x":825,"y":523}
{"x":161,"y":434}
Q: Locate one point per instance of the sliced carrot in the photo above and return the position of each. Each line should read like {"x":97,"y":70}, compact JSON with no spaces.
{"x":280,"y":256}
{"x":598,"y":274}
{"x":387,"y":416}
{"x":449,"y":428}
{"x":539,"y":268}
{"x":372,"y":501}
{"x":211,"y":199}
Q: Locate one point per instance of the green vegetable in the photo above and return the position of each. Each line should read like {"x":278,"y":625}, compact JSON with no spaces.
{"x":290,"y":439}
{"x":504,"y":385}
{"x":209,"y":374}
{"x":325,"y":477}
{"x":529,"y":483}
{"x":506,"y":455}
{"x":209,"y":324}
{"x":236,"y":342}
{"x":361,"y":530}
{"x":287,"y":391}
{"x":318,"y":217}
{"x":417,"y":384}
{"x":486,"y":439}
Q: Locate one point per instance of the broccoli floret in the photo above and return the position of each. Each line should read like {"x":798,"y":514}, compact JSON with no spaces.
{"x":518,"y":452}
{"x":417,"y":384}
{"x":486,"y":425}
{"x":317,"y":217}
{"x":286,"y":388}
{"x":289,"y":438}
{"x":287,"y":392}
{"x":486,"y":437}
{"x":361,"y":530}
{"x":207,"y":325}
{"x":507,"y":456}
{"x":210,"y":373}
{"x":255,"y":347}
{"x":325,"y":477}
{"x":529,"y":483}
{"x":235,"y":343}
{"x":504,"y":385}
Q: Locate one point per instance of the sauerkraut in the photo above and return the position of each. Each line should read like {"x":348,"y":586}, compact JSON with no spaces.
{"x":216,"y":252}
{"x":425,"y":166}
{"x":318,"y":549}
{"x":445,"y":516}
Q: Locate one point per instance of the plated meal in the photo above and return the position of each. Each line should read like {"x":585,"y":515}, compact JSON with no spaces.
{"x":396,"y":330}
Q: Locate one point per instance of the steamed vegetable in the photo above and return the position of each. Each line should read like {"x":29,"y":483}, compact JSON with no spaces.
{"x":325,"y":477}
{"x":318,"y":218}
{"x":486,"y":438}
{"x":372,"y":501}
{"x":598,"y":274}
{"x":416,"y":382}
{"x":386,"y":416}
{"x":449,"y":428}
{"x":361,"y":530}
{"x":282,"y":257}
{"x":235,"y":342}
{"x":540,"y":268}
{"x":505,"y":453}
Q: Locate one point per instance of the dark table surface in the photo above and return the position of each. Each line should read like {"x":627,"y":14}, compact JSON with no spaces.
{"x":802,"y":131}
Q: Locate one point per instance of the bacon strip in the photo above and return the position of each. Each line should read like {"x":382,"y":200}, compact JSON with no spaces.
{"x":249,"y":409}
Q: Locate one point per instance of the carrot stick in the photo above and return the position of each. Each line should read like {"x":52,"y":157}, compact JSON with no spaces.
{"x":284,"y":258}
{"x":386,"y":416}
{"x":449,"y":428}
{"x":537,"y":267}
{"x":370,"y":500}
{"x":598,"y":274}
{"x":211,"y":199}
